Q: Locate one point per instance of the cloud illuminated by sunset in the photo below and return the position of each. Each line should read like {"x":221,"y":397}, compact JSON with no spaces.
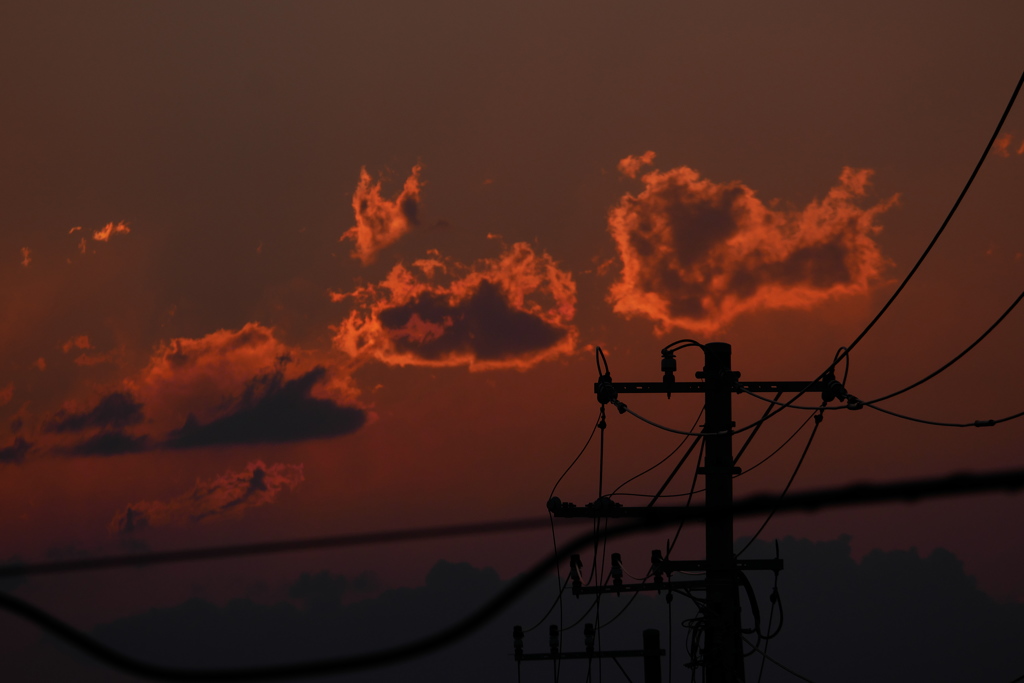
{"x":511,"y":311}
{"x":225,"y":496}
{"x":226,"y":388}
{"x":695,"y":254}
{"x":244,"y":386}
{"x":381,"y":222}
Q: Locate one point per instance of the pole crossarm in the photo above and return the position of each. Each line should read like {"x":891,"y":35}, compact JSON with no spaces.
{"x":694,"y":584}
{"x":539,"y":656}
{"x":701,"y":387}
{"x":666,"y":566}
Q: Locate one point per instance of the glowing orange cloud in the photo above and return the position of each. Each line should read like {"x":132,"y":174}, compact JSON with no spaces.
{"x":26,"y":256}
{"x":223,"y":497}
{"x":104,"y":233}
{"x":381,"y":222}
{"x":512,"y":311}
{"x":6,"y":394}
{"x":206,"y":380}
{"x":695,"y":254}
{"x":227,"y":388}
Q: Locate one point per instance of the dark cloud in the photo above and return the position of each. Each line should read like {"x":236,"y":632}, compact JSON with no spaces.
{"x":892,"y":617}
{"x":111,"y":443}
{"x":484,"y":326}
{"x":115,"y":410}
{"x":324,"y":590}
{"x":15,"y":453}
{"x":274,"y":411}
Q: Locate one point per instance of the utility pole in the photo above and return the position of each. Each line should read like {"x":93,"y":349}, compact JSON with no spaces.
{"x":723,"y":648}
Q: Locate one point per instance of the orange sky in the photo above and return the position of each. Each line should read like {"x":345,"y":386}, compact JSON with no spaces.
{"x":275,"y":270}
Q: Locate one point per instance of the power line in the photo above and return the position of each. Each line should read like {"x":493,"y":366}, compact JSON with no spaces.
{"x":907,"y":388}
{"x":807,"y":447}
{"x":956,"y":358}
{"x":662,"y":461}
{"x":942,"y":228}
{"x":936,"y":423}
{"x":778,"y":663}
{"x":656,"y":518}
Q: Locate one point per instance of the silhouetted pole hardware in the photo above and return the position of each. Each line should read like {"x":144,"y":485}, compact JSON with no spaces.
{"x":651,"y":651}
{"x":723,"y":645}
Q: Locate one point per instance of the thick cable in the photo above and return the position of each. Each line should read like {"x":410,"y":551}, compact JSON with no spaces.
{"x":857,"y":494}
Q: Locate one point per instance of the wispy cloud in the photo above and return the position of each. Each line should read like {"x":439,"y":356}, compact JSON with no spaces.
{"x":695,"y":254}
{"x":225,"y":496}
{"x":110,"y":229}
{"x":381,"y":222}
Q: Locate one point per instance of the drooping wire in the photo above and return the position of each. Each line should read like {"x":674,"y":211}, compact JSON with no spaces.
{"x":660,"y":462}
{"x":597,"y":423}
{"x":623,"y":408}
{"x":554,"y":538}
{"x":936,"y":423}
{"x":954,"y":359}
{"x":776,"y":451}
{"x":550,"y":609}
{"x":776,"y":662}
{"x":785,"y":490}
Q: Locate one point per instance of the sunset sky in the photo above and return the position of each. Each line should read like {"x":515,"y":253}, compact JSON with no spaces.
{"x":276,"y":270}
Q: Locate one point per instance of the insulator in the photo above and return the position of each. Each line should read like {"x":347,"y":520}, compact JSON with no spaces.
{"x":656,"y":568}
{"x":575,"y":567}
{"x":588,"y":637}
{"x":617,"y":569}
{"x":517,"y":639}
{"x":553,"y":638}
